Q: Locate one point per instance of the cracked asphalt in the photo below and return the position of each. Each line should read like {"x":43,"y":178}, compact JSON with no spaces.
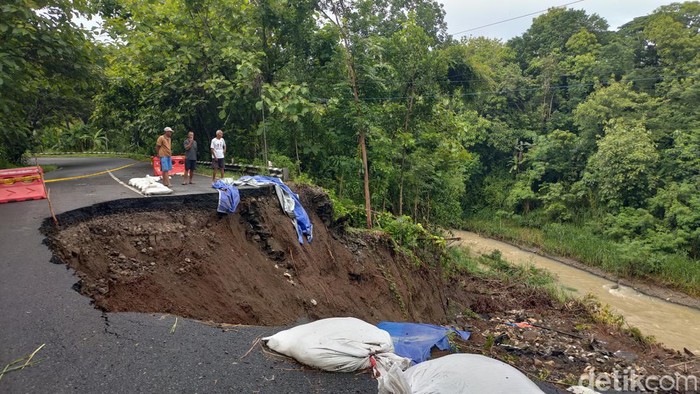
{"x":88,"y":351}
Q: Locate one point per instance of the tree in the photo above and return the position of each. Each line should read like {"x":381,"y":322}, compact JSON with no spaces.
{"x":623,"y":170}
{"x":617,"y":101}
{"x":550,"y":32}
{"x":188,"y":64}
{"x":46,"y":71}
{"x":339,"y":13}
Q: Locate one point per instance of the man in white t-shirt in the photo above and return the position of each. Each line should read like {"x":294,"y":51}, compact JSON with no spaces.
{"x":218,"y":152}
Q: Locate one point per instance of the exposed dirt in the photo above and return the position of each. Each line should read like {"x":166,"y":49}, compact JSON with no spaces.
{"x":245,"y":268}
{"x":177,"y":255}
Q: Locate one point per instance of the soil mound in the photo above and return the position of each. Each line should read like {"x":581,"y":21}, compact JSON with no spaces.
{"x":181,"y":257}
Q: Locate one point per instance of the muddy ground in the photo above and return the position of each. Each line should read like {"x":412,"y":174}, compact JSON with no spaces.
{"x":248,"y":268}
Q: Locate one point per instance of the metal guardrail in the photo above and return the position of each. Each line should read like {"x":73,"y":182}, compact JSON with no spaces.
{"x":249,"y":169}
{"x":85,"y":153}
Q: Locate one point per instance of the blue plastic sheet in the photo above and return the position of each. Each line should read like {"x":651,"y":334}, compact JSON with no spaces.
{"x":229,"y":197}
{"x":302,"y":220}
{"x":414,"y":340}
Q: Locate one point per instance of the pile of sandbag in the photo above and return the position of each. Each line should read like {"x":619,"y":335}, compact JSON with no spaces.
{"x":457,"y":373}
{"x":338,"y":344}
{"x":347,"y":344}
{"x":149,"y":185}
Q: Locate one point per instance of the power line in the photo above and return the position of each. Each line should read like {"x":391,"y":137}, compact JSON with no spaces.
{"x":525,"y":89}
{"x":512,"y":19}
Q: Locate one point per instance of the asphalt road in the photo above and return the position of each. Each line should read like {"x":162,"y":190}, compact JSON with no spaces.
{"x":87,"y":351}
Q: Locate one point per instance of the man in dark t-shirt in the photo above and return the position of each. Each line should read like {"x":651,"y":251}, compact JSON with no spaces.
{"x":190,"y":157}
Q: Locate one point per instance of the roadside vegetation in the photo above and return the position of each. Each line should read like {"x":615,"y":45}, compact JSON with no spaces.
{"x":579,"y":139}
{"x":586,"y":242}
{"x":494,"y":266}
{"x":133,"y":156}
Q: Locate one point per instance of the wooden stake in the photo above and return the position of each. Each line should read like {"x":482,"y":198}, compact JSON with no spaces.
{"x":46,"y":191}
{"x":48,"y":198}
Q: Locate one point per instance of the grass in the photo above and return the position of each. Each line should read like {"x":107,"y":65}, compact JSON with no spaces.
{"x":49,"y":168}
{"x":7,"y":165}
{"x":46,"y":168}
{"x":603,"y":313}
{"x":394,"y":291}
{"x":174,"y":326}
{"x":25,"y":361}
{"x":580,"y":242}
{"x":493,"y":265}
{"x":133,"y":156}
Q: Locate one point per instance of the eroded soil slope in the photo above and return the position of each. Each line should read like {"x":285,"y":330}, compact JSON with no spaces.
{"x":246,"y":267}
{"x":177,"y":255}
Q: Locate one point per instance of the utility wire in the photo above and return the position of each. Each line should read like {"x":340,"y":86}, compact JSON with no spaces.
{"x":512,"y":19}
{"x":528,"y":89}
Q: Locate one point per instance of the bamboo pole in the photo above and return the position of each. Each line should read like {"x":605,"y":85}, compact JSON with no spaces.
{"x":47,"y":192}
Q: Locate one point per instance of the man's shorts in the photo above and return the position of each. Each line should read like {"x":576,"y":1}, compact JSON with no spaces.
{"x":190,"y":165}
{"x":166,"y":163}
{"x":217,"y":164}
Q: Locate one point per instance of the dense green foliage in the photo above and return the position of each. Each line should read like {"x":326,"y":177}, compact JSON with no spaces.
{"x":569,"y":124}
{"x":47,"y":73}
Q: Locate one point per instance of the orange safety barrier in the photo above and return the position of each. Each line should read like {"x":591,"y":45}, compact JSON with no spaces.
{"x":22,"y":184}
{"x":178,"y":165}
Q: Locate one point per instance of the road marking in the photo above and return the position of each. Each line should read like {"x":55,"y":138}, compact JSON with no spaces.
{"x":88,"y":175}
{"x":124,"y":184}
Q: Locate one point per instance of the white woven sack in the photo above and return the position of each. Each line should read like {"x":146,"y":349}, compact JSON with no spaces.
{"x":338,"y":344}
{"x":458,"y":373}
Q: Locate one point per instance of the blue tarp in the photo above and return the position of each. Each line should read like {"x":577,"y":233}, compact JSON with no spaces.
{"x":228,"y":197}
{"x":302,"y":220}
{"x":414,"y":340}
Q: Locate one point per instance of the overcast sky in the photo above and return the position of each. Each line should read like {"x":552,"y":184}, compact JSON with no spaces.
{"x":469,"y":14}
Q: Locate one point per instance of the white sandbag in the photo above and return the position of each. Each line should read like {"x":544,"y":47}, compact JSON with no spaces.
{"x":338,"y":344}
{"x":458,"y":373}
{"x":393,"y":382}
{"x":581,"y":390}
{"x":149,"y":185}
{"x":156,"y":189}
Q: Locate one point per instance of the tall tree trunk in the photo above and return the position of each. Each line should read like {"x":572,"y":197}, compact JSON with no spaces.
{"x":545,"y":113}
{"x":415,"y":206}
{"x":427,"y":215}
{"x":349,"y":62}
{"x":403,"y":152}
{"x":296,"y":149}
{"x":368,"y":204}
{"x":403,"y":155}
